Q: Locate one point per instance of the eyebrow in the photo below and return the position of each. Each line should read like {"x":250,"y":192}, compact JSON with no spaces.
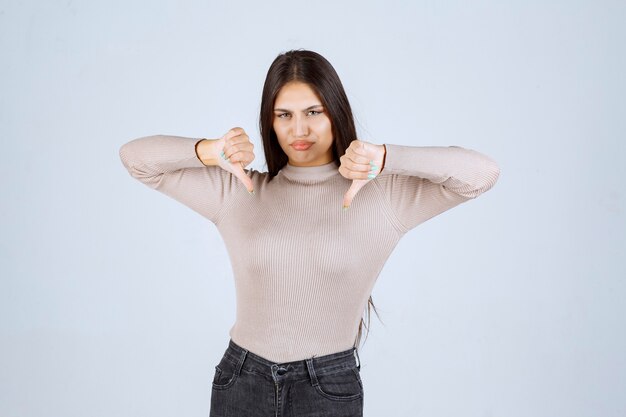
{"x":308,"y":108}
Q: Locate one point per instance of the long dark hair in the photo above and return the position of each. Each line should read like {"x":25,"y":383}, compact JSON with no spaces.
{"x":313,"y":69}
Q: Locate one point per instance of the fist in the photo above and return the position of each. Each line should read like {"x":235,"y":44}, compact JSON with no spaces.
{"x":361,"y":163}
{"x":236,"y":152}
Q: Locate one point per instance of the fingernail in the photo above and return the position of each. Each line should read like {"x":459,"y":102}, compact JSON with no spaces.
{"x":251,"y":192}
{"x":371,"y":176}
{"x":374,"y":168}
{"x":345,"y":208}
{"x":371,"y":162}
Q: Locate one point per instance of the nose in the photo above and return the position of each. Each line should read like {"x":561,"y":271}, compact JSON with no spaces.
{"x":301,"y":127}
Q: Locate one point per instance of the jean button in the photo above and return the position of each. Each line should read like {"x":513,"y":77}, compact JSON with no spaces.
{"x":281,"y":371}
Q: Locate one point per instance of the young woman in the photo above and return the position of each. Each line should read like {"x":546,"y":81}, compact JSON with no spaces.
{"x":306,"y":239}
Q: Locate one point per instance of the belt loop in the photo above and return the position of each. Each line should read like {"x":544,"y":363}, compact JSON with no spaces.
{"x":244,"y":353}
{"x":309,"y":365}
{"x":358,"y":366}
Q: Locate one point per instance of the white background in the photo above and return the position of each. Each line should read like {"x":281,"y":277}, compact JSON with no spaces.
{"x":117,"y":301}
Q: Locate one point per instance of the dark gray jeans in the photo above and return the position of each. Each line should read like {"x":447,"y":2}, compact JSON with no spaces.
{"x":247,"y":385}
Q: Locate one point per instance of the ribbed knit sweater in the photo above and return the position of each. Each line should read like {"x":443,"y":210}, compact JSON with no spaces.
{"x":303,"y":267}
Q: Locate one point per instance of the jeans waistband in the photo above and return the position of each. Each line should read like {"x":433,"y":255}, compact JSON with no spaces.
{"x":305,"y":368}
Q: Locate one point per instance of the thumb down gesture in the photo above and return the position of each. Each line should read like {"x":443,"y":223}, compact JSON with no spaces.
{"x":236,"y":151}
{"x":361,"y":163}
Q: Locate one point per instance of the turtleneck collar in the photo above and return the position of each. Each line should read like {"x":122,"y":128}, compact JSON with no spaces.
{"x":315,"y":173}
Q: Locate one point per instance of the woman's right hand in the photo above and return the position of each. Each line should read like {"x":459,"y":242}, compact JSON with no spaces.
{"x":234,"y":153}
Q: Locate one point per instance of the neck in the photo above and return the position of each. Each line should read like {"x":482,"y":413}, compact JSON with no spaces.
{"x":316,"y":172}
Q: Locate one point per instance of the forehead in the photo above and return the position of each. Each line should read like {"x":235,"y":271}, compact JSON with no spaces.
{"x":296,"y":94}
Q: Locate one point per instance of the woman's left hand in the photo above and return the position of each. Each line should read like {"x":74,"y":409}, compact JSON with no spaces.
{"x":361,"y":163}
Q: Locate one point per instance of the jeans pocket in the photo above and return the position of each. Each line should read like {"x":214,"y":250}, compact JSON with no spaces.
{"x":226,"y":374}
{"x":344,"y":385}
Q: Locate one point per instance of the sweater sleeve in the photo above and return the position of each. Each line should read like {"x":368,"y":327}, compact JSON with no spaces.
{"x":420,"y":182}
{"x":170,"y":165}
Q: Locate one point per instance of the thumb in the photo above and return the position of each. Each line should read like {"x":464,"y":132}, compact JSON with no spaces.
{"x":236,"y":168}
{"x":239,"y":172}
{"x":354,"y":188}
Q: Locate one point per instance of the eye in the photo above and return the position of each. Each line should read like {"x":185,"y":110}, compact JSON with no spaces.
{"x":283,"y":115}
{"x":314,"y":112}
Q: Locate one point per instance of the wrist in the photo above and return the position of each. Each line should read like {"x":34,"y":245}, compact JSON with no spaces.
{"x":206,"y":151}
{"x":384,"y":153}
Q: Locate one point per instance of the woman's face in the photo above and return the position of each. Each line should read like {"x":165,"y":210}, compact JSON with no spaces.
{"x":302,"y":125}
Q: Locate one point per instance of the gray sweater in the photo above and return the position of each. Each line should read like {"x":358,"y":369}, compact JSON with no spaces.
{"x":303,"y":267}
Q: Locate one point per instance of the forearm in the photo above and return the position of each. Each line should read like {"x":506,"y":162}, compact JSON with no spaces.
{"x":463,"y":171}
{"x":151,"y":156}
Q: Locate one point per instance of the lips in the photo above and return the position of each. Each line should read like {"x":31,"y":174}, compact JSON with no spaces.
{"x":301,"y":145}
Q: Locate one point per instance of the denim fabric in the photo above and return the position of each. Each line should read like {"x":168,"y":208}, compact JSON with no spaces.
{"x":248,"y":385}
